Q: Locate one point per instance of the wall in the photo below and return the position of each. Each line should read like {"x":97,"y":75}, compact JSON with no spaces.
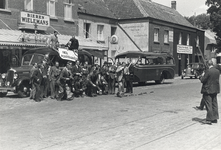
{"x":68,"y":27}
{"x":161,"y":46}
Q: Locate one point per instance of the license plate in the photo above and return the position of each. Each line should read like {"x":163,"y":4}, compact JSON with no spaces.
{"x":3,"y":91}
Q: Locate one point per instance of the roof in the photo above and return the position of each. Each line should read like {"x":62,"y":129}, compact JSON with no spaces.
{"x":132,"y":9}
{"x":134,"y":54}
{"x":94,"y":7}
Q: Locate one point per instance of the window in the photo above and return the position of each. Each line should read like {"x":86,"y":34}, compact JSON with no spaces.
{"x":188,"y":39}
{"x":166,"y":36}
{"x":68,"y":9}
{"x":113,"y":30}
{"x":29,"y":5}
{"x":87,"y":30}
{"x":197,"y":41}
{"x":3,"y":4}
{"x":100,"y":32}
{"x":51,"y":8}
{"x":156,"y":35}
{"x":180,"y":38}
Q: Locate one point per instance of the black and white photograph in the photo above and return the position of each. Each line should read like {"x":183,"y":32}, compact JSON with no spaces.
{"x":110,"y":74}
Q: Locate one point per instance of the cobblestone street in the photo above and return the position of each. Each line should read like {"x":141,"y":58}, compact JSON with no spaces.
{"x":155,"y":117}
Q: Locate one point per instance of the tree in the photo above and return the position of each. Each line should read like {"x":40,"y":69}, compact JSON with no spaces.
{"x":201,"y":21}
{"x":214,"y":12}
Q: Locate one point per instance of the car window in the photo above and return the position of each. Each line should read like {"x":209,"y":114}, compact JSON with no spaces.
{"x":26,"y":60}
{"x":37,"y":58}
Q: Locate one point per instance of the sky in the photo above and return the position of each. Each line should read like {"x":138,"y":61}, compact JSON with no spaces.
{"x":186,"y":7}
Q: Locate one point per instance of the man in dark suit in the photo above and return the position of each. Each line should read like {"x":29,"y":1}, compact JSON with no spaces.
{"x":37,"y":79}
{"x":210,"y":89}
{"x":64,"y":77}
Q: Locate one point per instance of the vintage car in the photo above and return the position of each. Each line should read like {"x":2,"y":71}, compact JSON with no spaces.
{"x":193,"y":70}
{"x":17,"y":79}
{"x":149,"y":66}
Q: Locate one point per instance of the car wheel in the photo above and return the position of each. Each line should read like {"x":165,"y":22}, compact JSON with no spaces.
{"x":24,"y":91}
{"x":182,"y":77}
{"x":191,"y":77}
{"x":3,"y":94}
{"x":161,"y":79}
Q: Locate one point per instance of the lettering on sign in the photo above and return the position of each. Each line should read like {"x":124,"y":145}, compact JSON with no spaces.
{"x":32,"y":18}
{"x":184,"y":49}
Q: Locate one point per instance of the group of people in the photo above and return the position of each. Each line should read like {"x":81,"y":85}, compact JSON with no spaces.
{"x":77,"y":80}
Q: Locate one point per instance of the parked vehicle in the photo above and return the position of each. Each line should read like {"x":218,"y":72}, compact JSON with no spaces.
{"x":193,"y":70}
{"x":17,"y":79}
{"x":149,"y":65}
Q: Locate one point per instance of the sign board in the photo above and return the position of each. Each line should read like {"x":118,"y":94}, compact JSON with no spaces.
{"x":67,"y":54}
{"x":184,"y":49}
{"x":35,"y":19}
{"x":170,"y":36}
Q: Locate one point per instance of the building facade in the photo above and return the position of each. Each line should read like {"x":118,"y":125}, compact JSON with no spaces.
{"x":103,"y":27}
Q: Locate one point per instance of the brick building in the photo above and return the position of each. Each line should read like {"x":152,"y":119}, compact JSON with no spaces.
{"x":103,"y":27}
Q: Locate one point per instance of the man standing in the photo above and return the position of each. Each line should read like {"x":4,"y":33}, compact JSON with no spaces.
{"x":33,"y":89}
{"x":53,"y":76}
{"x":63,"y":79}
{"x":120,"y":79}
{"x":53,"y":41}
{"x":210,"y":89}
{"x":74,"y":44}
{"x":37,"y":79}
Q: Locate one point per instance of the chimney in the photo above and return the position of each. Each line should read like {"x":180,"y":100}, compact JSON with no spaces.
{"x":173,"y":5}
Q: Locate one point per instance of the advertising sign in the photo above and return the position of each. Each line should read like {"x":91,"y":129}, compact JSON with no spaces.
{"x":33,"y":18}
{"x":67,"y":54}
{"x":184,"y":49}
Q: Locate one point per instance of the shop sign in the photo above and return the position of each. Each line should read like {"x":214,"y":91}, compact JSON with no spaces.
{"x":33,"y":38}
{"x":184,"y":49}
{"x":33,"y":18}
{"x":67,"y":54}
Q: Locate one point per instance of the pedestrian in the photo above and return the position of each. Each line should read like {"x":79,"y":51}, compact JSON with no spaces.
{"x":33,"y":89}
{"x":62,"y":81}
{"x":120,"y":79}
{"x":45,"y":80}
{"x":210,"y":89}
{"x":37,"y":79}
{"x":53,"y":77}
{"x":112,"y":79}
{"x":73,"y":44}
{"x":128,"y":75}
{"x":53,"y":41}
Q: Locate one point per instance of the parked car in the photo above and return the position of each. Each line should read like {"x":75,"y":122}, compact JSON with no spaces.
{"x":193,"y":70}
{"x":149,"y":65}
{"x":17,"y":79}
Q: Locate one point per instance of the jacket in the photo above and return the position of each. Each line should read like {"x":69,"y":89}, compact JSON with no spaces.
{"x":210,"y":81}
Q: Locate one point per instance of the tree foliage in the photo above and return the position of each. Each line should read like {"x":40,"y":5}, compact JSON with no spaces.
{"x":214,"y":12}
{"x":201,"y":21}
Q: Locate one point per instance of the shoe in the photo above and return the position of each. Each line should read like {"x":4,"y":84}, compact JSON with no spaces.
{"x":207,"y":122}
{"x":198,"y":108}
{"x":214,"y":121}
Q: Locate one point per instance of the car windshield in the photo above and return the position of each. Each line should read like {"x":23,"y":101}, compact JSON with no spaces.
{"x":31,"y":59}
